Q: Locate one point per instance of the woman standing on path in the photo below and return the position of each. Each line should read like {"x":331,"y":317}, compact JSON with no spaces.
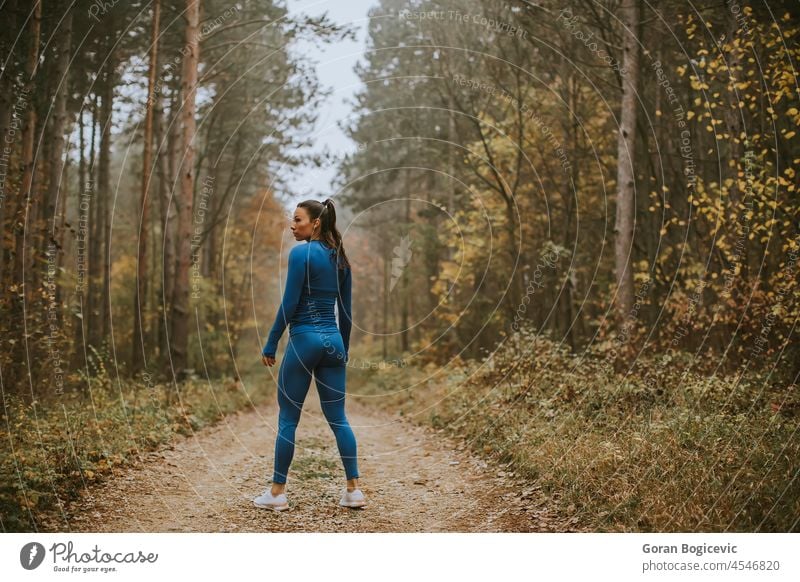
{"x":318,"y":277}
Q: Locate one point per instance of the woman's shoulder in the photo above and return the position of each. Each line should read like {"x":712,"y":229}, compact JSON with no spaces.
{"x":298,"y":253}
{"x":327,"y":250}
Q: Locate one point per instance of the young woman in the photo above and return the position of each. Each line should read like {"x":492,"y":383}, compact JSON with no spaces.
{"x":318,"y":277}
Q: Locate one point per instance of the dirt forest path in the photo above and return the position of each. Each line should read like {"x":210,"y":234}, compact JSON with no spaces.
{"x":415,"y":480}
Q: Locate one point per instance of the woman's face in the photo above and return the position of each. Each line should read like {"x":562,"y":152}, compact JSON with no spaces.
{"x":302,"y":226}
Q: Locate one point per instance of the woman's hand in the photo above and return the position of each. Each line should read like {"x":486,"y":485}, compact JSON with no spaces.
{"x":268,"y":361}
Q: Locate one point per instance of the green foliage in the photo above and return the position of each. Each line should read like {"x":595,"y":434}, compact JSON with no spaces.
{"x":494,"y":117}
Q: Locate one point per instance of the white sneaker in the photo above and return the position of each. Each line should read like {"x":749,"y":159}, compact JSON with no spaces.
{"x":353,"y":498}
{"x":269,"y":501}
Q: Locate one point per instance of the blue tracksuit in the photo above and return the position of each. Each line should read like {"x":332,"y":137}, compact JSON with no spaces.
{"x":313,"y":285}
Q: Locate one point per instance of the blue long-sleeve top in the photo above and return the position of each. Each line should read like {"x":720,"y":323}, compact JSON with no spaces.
{"x":314,"y":284}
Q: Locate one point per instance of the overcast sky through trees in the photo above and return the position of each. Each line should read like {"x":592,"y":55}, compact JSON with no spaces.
{"x":335,"y":63}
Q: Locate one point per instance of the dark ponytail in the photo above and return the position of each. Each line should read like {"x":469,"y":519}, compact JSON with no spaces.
{"x":329,"y":234}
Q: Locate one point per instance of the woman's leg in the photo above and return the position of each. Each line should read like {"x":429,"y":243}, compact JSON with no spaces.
{"x":330,"y":375}
{"x":294,"y":378}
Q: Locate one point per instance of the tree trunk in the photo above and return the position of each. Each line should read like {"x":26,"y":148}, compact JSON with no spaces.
{"x":59,"y":127}
{"x":404,"y":310}
{"x":94,"y":234}
{"x":6,"y":89}
{"x":100,"y":322}
{"x":27,"y":144}
{"x":180,"y":305}
{"x":24,"y":106}
{"x":59,"y":239}
{"x":623,"y":228}
{"x":452,"y":171}
{"x":385,"y":315}
{"x":140,"y":291}
{"x":82,"y":237}
{"x":168,"y":180}
{"x":432,"y":245}
{"x":155,"y":232}
{"x":734,"y":122}
{"x":6,"y":148}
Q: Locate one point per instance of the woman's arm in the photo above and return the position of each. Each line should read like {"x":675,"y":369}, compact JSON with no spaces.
{"x":343,"y":301}
{"x":291,"y":296}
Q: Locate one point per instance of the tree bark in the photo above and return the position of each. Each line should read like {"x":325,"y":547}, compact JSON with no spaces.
{"x":734,"y":122}
{"x":27,"y":144}
{"x":23,"y":106}
{"x":404,"y":310}
{"x":626,"y":178}
{"x":180,"y":306}
{"x":59,"y":127}
{"x":100,"y":322}
{"x":94,"y":231}
{"x":6,"y":148}
{"x":82,"y":231}
{"x":140,"y":292}
{"x":59,"y":239}
{"x":168,"y":180}
{"x":385,"y":315}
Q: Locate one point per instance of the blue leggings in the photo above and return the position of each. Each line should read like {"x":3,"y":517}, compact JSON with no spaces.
{"x":324,"y":354}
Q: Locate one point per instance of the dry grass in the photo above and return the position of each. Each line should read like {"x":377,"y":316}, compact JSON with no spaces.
{"x":658,"y":450}
{"x":54,"y":448}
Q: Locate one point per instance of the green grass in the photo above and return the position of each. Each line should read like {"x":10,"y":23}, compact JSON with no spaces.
{"x":313,"y":466}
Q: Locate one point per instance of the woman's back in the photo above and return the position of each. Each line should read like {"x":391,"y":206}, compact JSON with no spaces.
{"x":314,"y":285}
{"x":321,"y":274}
{"x":320,"y":289}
